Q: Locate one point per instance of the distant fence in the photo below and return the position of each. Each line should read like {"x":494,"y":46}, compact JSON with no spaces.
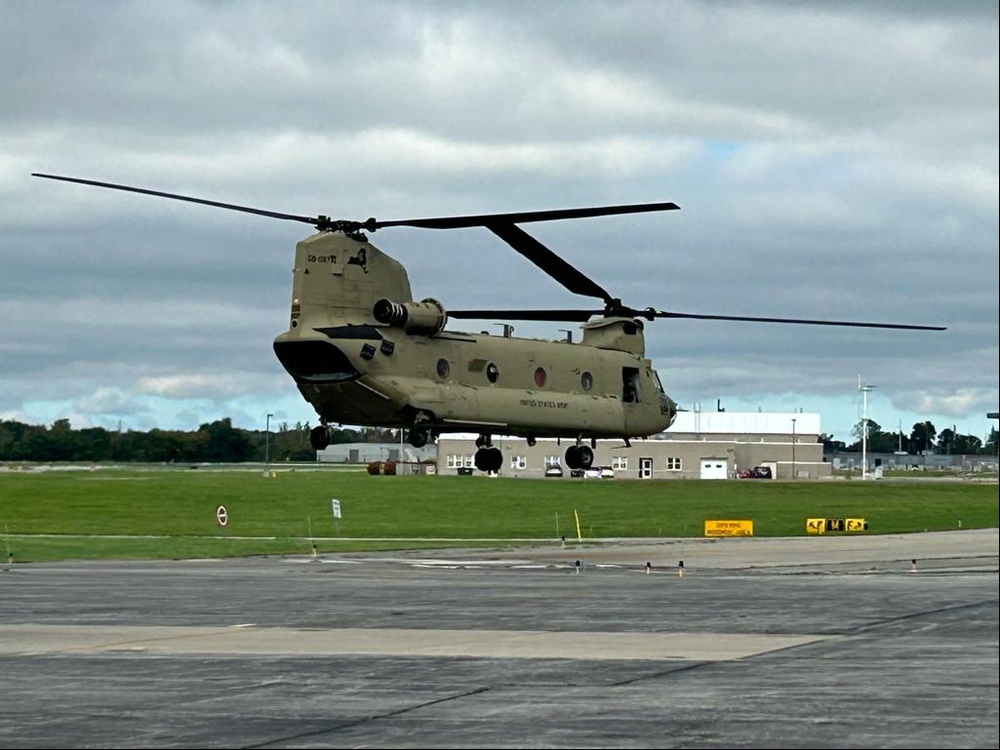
{"x":930,"y":462}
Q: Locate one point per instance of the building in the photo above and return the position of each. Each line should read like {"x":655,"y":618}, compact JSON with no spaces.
{"x":699,"y":445}
{"x":366,"y":453}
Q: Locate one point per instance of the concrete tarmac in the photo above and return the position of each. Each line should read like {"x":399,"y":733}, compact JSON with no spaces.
{"x":836,"y":641}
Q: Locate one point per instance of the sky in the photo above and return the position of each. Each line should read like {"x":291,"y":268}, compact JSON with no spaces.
{"x":830,"y":160}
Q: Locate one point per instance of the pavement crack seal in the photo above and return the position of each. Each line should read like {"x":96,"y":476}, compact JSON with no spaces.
{"x":368,"y":719}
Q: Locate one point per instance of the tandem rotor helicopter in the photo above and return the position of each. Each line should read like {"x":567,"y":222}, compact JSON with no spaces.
{"x":362,"y":351}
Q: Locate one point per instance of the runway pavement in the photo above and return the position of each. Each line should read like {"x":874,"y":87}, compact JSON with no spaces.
{"x":837,"y":641}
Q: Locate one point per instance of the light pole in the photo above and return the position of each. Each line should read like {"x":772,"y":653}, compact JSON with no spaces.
{"x":793,"y":447}
{"x":267,"y":445}
{"x":995,"y":415}
{"x":864,"y":427}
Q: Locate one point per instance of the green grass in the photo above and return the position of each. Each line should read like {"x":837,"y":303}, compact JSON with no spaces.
{"x":149,"y":514}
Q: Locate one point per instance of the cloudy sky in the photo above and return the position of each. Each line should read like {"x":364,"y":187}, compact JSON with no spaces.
{"x":831,"y":160}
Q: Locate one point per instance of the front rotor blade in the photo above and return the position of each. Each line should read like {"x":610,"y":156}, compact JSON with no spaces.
{"x":482,"y":220}
{"x":799,"y":321}
{"x":315,"y":221}
{"x":577,"y":316}
{"x":567,"y":275}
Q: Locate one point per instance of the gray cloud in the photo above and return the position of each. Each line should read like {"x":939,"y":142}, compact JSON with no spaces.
{"x":835,"y":161}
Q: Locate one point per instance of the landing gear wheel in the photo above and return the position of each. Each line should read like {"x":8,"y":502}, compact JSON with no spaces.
{"x":417,"y":438}
{"x":489,"y":459}
{"x":579,"y":457}
{"x":572,"y":457}
{"x":319,"y":438}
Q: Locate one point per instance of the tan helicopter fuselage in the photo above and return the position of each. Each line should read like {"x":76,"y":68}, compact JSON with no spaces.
{"x":363,"y":352}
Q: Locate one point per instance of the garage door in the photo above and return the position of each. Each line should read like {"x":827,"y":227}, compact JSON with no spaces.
{"x":713,"y":468}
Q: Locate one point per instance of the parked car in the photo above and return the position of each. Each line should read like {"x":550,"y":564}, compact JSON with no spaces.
{"x":553,"y":471}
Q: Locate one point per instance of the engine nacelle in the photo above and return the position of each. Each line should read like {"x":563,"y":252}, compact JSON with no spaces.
{"x":426,"y":317}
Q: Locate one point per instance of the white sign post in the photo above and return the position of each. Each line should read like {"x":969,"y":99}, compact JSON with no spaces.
{"x":335,"y":508}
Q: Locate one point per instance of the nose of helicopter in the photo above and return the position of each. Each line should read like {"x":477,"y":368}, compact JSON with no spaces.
{"x":668,"y":407}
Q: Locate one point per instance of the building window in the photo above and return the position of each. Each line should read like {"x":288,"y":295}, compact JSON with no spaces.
{"x":619,"y":463}
{"x":519,"y":462}
{"x":673,"y":463}
{"x":552,"y":461}
{"x":454,"y":461}
{"x":470,"y":461}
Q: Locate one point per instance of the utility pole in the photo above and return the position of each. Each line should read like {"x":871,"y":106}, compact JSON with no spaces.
{"x":864,"y":426}
{"x":793,"y":447}
{"x":267,"y":446}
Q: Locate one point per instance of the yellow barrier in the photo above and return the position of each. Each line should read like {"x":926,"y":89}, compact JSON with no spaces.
{"x":855,"y":524}
{"x":815,"y":525}
{"x":728,"y":528}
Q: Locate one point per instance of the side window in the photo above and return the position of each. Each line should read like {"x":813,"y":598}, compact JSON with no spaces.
{"x":630,"y":385}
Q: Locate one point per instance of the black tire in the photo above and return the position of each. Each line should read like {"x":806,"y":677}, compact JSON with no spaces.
{"x":573,"y":457}
{"x":319,"y":438}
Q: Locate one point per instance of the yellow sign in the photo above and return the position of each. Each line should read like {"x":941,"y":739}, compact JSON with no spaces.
{"x":728,"y":528}
{"x":823,"y":525}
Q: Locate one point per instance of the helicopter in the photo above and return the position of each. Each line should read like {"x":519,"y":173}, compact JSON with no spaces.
{"x":363,"y":351}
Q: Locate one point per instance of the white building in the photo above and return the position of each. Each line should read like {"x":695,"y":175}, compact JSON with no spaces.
{"x":699,"y":445}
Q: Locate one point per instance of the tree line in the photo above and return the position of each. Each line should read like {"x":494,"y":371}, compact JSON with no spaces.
{"x":923,"y":438}
{"x":220,"y":442}
{"x":215,"y":441}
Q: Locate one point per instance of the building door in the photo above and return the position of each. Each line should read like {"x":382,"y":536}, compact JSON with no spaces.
{"x":714,"y":468}
{"x":645,"y":468}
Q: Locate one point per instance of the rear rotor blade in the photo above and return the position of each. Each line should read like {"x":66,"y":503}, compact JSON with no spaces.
{"x":522,"y":217}
{"x":315,"y":221}
{"x":370,"y":225}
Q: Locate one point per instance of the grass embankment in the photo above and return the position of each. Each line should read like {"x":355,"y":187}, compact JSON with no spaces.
{"x":149,"y":514}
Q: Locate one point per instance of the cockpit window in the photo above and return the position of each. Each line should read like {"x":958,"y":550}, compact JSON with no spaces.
{"x":656,"y":380}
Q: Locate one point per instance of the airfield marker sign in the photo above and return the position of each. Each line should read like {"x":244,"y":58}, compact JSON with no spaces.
{"x":335,"y":508}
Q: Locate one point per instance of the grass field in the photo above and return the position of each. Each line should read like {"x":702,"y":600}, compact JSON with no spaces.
{"x":112,"y":513}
